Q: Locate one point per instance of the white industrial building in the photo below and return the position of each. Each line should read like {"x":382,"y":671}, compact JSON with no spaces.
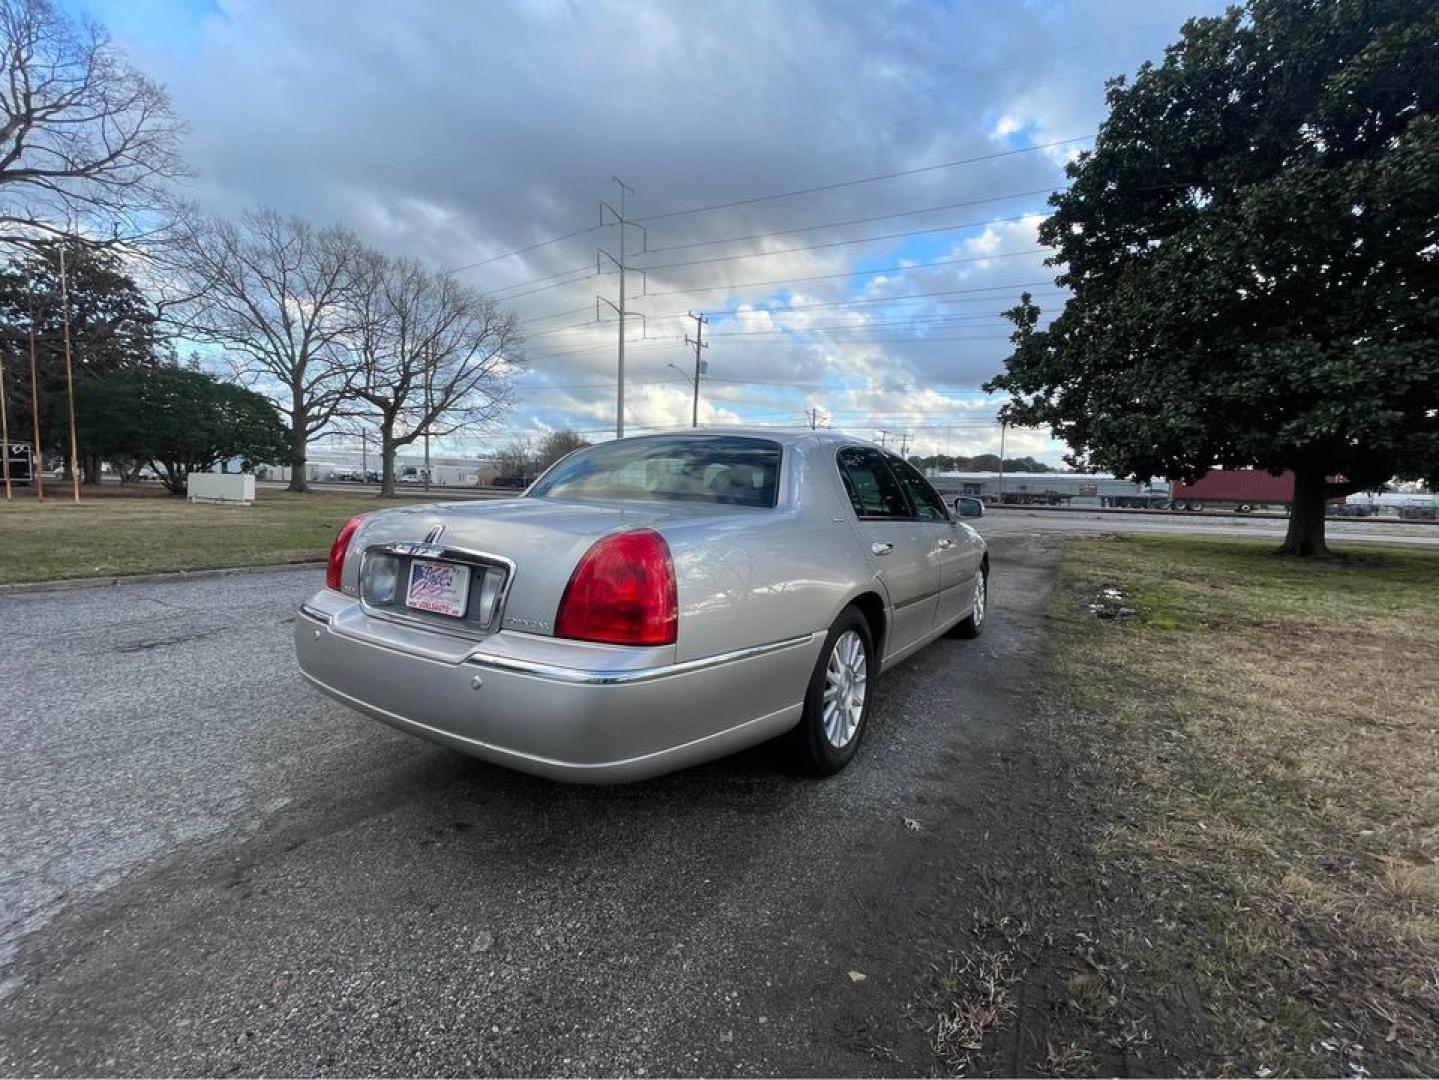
{"x":1053,"y":489}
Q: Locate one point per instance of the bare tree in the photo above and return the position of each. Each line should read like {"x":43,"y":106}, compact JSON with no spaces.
{"x":516,"y":458}
{"x":431,"y":356}
{"x":277,"y":296}
{"x":558,"y":444}
{"x":84,"y":137}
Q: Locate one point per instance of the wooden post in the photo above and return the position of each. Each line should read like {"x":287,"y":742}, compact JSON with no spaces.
{"x":69,"y":383}
{"x":37,"y":455}
{"x":4,"y":432}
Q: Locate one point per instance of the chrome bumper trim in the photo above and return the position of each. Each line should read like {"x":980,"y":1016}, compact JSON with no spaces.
{"x":587,"y":677}
{"x":590,"y":676}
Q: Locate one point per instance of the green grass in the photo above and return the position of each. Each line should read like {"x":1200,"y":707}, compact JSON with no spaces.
{"x":110,"y":533}
{"x":1258,"y":742}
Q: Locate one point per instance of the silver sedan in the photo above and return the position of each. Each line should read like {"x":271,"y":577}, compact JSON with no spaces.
{"x":648,"y":604}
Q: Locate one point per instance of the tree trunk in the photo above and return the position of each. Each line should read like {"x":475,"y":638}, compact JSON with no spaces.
{"x":298,"y":450}
{"x":92,"y":468}
{"x":1305,"y":538}
{"x":387,"y":464}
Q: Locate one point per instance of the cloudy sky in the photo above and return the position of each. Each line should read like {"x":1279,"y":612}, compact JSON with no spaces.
{"x":462,"y":131}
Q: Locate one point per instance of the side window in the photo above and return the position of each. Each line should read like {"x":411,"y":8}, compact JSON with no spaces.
{"x":872,"y":488}
{"x":928,"y":505}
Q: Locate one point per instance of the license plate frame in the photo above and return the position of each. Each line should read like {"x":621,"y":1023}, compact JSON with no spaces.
{"x":443,"y":587}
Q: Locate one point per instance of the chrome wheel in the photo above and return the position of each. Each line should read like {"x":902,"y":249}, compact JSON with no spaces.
{"x":978,"y":614}
{"x":845,"y":679}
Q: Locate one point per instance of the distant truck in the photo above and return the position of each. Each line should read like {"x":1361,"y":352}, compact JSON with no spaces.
{"x":1241,"y":490}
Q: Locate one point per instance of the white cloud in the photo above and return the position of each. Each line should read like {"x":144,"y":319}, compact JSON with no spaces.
{"x":459,"y":132}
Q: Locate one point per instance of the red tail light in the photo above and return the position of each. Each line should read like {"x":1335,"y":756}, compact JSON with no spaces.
{"x":336,"y":566}
{"x":622,"y":593}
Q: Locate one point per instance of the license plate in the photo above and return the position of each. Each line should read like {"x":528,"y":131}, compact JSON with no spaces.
{"x":440,"y":587}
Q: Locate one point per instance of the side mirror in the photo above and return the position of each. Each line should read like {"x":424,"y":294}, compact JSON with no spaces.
{"x":967,"y":506}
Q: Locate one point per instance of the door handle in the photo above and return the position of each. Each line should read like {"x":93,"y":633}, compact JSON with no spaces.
{"x":881,"y":547}
{"x":946,"y":543}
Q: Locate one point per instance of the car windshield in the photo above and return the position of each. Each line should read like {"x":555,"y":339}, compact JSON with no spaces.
{"x":728,"y":469}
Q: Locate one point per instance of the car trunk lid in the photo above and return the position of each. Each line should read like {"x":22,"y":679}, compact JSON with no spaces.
{"x":538,"y":541}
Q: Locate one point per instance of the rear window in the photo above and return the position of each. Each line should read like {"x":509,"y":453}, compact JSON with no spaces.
{"x":726,"y":469}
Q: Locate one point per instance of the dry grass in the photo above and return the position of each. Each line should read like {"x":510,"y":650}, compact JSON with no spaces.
{"x":973,"y":995}
{"x":112,"y":532}
{"x":1262,"y":740}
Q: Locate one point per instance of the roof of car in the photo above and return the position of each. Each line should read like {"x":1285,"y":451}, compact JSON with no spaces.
{"x":784,"y":436}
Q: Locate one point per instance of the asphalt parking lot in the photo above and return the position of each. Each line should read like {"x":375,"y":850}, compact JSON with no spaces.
{"x":209,"y":868}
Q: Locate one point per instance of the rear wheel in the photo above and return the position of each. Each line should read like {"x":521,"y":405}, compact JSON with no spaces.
{"x":836,"y":704}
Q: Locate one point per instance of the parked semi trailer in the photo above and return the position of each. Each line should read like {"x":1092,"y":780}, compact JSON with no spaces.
{"x":1241,"y":490}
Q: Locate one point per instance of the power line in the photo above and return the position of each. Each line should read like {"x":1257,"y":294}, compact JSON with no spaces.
{"x":921,"y":320}
{"x":886,"y":341}
{"x":851,"y":273}
{"x":876,"y":300}
{"x":842,"y":243}
{"x":906,"y":319}
{"x":865,"y":179}
{"x":520,"y":251}
{"x":585,"y":270}
{"x":853,"y":221}
{"x":554,"y":315}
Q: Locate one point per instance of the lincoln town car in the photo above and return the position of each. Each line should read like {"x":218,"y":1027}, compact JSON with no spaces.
{"x":648,"y":603}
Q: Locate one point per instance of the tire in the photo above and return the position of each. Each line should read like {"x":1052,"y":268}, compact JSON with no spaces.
{"x":971,"y":627}
{"x":822,"y":748}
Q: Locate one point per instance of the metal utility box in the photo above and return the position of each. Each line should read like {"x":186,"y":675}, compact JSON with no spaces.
{"x":221,"y":487}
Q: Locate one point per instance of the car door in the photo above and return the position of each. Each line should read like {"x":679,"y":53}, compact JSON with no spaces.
{"x":956,"y":547}
{"x":901,"y":548}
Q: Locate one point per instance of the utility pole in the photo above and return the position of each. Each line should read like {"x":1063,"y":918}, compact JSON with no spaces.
{"x":699,"y":343}
{"x":904,"y":446}
{"x":882,"y":435}
{"x":69,"y":382}
{"x":620,"y":309}
{"x":429,"y":387}
{"x":5,"y":434}
{"x":37,"y":456}
{"x":1001,"y":460}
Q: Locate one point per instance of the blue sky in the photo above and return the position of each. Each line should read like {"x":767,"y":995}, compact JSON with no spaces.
{"x":457,"y":133}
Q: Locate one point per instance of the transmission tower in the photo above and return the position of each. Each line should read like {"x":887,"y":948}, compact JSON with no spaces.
{"x":618,"y":217}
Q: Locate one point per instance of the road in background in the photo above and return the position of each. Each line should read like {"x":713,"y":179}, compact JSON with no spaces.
{"x":1010,"y":520}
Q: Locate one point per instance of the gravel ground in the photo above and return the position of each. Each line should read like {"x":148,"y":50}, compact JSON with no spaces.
{"x":210,"y":869}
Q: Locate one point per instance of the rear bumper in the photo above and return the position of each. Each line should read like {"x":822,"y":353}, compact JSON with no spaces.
{"x":605,"y":722}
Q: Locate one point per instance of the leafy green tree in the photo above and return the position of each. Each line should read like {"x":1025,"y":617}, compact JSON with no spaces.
{"x":1252,"y":248}
{"x":179,"y":420}
{"x":112,"y":327}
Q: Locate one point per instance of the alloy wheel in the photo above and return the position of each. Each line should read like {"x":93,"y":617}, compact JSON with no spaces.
{"x":845,"y":680}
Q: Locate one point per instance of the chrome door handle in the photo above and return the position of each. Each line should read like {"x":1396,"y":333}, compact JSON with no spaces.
{"x":946,"y":543}
{"x":880,"y":547}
